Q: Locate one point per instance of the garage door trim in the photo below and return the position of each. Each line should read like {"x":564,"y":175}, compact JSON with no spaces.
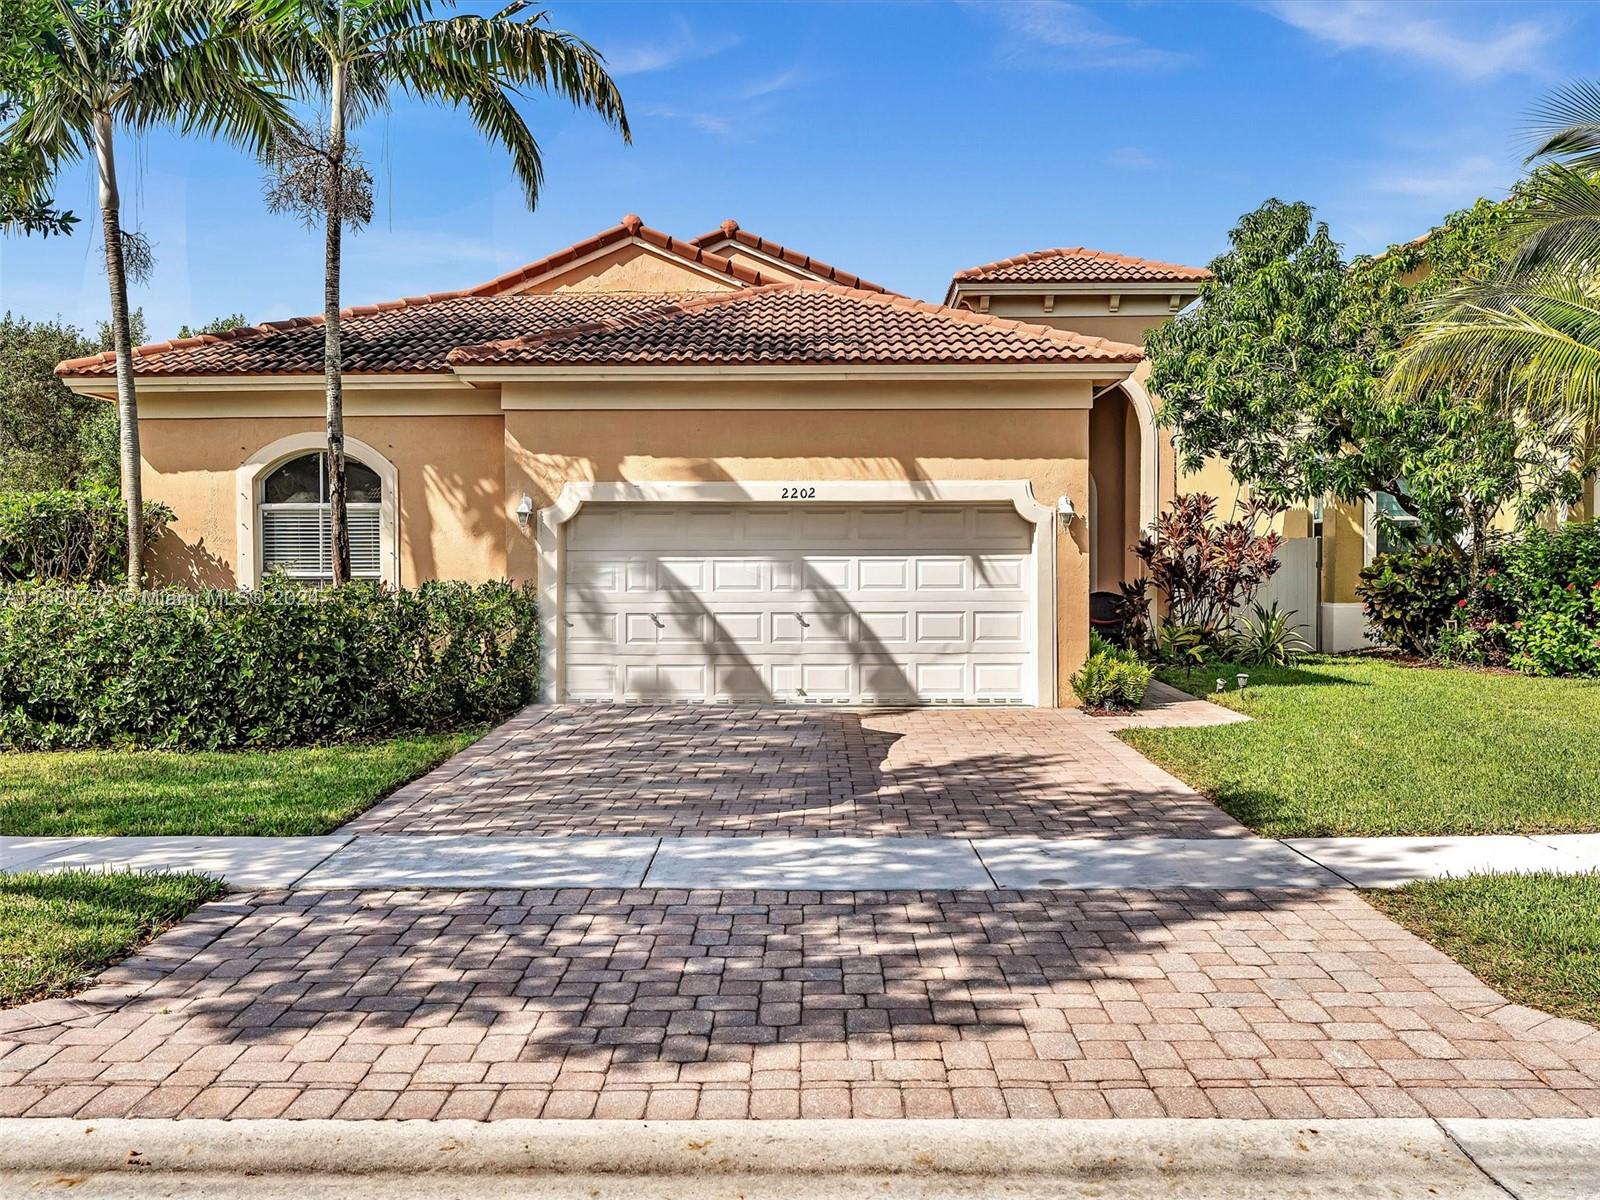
{"x":553,"y":519}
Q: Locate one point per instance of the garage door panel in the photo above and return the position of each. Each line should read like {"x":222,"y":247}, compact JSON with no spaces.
{"x":891,"y":605}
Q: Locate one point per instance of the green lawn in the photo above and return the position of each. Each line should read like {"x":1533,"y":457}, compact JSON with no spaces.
{"x":55,"y":930}
{"x":278,"y":793}
{"x":1364,"y":747}
{"x":1533,"y":938}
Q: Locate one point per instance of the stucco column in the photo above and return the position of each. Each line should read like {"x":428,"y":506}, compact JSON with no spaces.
{"x":1072,"y":560}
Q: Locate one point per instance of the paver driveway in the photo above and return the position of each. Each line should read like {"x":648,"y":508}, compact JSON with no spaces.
{"x":731,"y":1004}
{"x":684,"y":771}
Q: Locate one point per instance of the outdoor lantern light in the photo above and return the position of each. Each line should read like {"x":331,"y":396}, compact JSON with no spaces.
{"x":1222,"y":685}
{"x":525,"y":510}
{"x":1242,"y":679}
{"x":1066,"y":512}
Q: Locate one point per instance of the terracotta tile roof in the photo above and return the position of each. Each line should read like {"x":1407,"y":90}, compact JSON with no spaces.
{"x":630,"y":227}
{"x":1079,"y":264}
{"x":796,"y":323}
{"x":416,"y":342}
{"x":402,"y":336}
{"x":729,"y":230}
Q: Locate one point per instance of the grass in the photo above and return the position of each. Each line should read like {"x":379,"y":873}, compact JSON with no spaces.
{"x":276,"y":793}
{"x":55,"y":930}
{"x":1533,"y":938}
{"x":1366,"y":747}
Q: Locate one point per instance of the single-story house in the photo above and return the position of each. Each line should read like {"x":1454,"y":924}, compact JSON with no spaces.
{"x":734,"y":472}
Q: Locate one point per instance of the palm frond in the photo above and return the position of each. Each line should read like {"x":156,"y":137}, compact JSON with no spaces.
{"x":208,"y":85}
{"x":1566,"y":125}
{"x":515,"y":53}
{"x":1531,"y":346}
{"x":1556,"y":222}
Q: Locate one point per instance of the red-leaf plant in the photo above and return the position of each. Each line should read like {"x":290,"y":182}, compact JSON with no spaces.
{"x":1203,"y":569}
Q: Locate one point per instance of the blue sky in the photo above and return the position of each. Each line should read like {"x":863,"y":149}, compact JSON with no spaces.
{"x":900,"y":141}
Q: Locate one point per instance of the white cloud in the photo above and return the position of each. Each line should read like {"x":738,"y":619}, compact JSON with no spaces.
{"x":703,"y":121}
{"x":1403,"y":29}
{"x":780,"y":81}
{"x":681,"y":45}
{"x":1131,"y":158}
{"x":1455,"y":182}
{"x":1060,"y":34}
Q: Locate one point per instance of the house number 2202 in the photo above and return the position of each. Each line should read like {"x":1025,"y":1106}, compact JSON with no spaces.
{"x":799,"y":493}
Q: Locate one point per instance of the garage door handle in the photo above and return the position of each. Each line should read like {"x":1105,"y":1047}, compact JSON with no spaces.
{"x":657,"y":620}
{"x":804,"y":624}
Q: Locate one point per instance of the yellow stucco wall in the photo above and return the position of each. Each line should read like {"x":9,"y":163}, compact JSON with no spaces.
{"x":452,"y":501}
{"x":549,"y":447}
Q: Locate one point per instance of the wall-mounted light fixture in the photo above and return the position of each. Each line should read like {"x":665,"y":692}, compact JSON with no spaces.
{"x":525,"y":510}
{"x":1066,"y":512}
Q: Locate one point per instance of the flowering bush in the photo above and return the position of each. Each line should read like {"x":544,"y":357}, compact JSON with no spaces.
{"x":1549,"y":593}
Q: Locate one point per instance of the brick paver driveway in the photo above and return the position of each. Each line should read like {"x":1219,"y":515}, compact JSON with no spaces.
{"x":672,"y":1004}
{"x":683,"y":771}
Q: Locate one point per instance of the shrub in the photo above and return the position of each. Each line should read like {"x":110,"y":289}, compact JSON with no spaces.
{"x":1548,"y":590}
{"x":1111,"y":679}
{"x":1205,"y":569}
{"x":284,"y":666}
{"x":1408,"y":597}
{"x":1264,"y":637}
{"x":77,"y":536}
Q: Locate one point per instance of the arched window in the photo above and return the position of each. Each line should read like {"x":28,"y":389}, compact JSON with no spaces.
{"x":294,"y":522}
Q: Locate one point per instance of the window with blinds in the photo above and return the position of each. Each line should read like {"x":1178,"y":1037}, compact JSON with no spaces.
{"x":295,"y":525}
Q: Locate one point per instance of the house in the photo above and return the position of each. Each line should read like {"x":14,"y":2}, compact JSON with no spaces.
{"x":734,"y":471}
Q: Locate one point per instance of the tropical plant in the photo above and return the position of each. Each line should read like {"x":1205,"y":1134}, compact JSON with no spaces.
{"x":1408,"y":597}
{"x":136,"y":64}
{"x":1527,"y":338}
{"x":352,"y":56}
{"x":1111,"y":681}
{"x":1204,"y":569}
{"x":1187,"y":647}
{"x":1266,"y":637}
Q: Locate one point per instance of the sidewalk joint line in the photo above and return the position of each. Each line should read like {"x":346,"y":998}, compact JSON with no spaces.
{"x":1476,"y":1165}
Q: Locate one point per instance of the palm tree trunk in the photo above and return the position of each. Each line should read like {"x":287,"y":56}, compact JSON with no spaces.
{"x":121,"y":343}
{"x":332,"y":362}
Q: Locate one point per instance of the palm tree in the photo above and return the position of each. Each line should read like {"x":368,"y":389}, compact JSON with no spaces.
{"x":134,"y":64}
{"x":353,"y":55}
{"x":1528,"y":337}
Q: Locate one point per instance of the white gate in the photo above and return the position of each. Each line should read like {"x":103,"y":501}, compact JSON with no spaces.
{"x":1294,"y":588}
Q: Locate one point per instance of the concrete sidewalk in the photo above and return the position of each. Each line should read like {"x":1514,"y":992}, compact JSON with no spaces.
{"x":346,"y":861}
{"x":707,"y":1160}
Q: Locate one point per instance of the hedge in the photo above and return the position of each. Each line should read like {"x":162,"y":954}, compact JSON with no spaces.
{"x":70,"y":536}
{"x":281,"y":666}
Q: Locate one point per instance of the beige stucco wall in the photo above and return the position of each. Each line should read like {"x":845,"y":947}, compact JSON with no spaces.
{"x":551,"y":446}
{"x":633,"y":268}
{"x":452,"y":502}
{"x":1136,"y":315}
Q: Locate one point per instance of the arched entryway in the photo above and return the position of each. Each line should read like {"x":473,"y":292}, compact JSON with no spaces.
{"x":1117,"y":470}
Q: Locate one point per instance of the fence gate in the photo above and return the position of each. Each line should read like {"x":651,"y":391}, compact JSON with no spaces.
{"x":1294,"y":588}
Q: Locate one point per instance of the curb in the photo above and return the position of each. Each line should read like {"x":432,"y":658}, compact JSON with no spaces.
{"x":1131,"y":1160}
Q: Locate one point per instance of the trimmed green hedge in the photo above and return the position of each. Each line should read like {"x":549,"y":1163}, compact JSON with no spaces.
{"x":70,"y":536}
{"x":281,"y":666}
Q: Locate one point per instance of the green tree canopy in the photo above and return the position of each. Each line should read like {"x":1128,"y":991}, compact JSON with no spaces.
{"x":1280,"y":371}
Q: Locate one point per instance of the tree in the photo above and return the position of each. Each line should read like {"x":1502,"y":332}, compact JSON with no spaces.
{"x":137,"y":64}
{"x":351,"y":56}
{"x":1263,"y":372}
{"x":1526,"y":339}
{"x":24,"y":203}
{"x":1281,"y":371}
{"x":215,"y":325}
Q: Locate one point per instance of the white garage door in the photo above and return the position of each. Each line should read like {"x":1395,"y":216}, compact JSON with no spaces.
{"x":876,"y":604}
